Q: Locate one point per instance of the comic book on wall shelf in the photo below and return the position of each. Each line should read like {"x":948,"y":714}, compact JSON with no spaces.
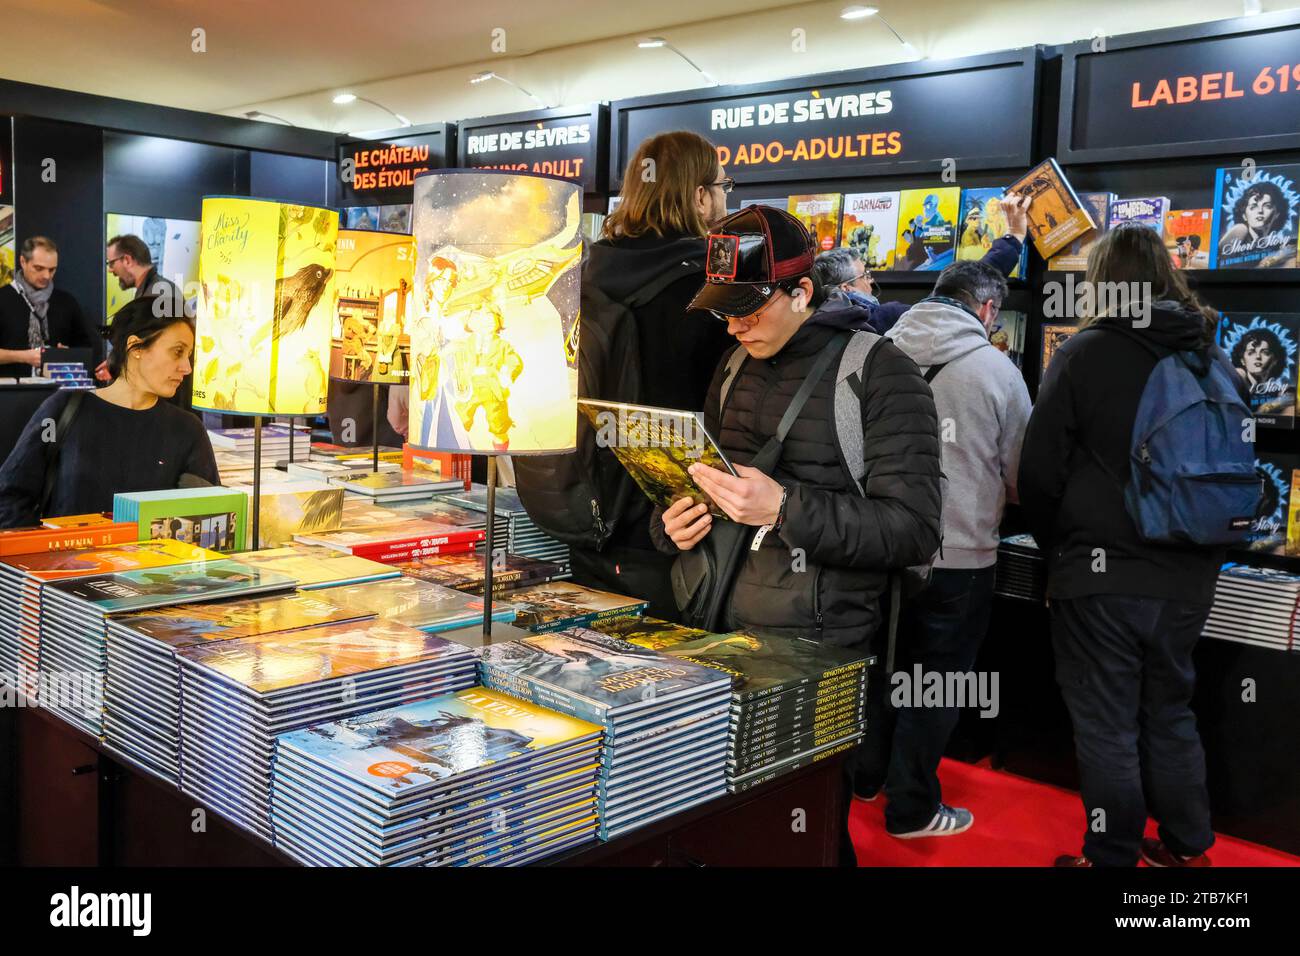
{"x":1269,"y":533}
{"x":870,"y":227}
{"x":1056,"y":216}
{"x":1146,"y":211}
{"x":1054,"y":336}
{"x":1255,"y":217}
{"x":981,"y":223}
{"x":1187,"y":237}
{"x":1074,"y":257}
{"x":820,"y":213}
{"x":927,"y":228}
{"x":1262,"y":349}
{"x":374,"y":295}
{"x":1008,"y":335}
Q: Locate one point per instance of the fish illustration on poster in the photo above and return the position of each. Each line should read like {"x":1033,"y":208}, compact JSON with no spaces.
{"x":1255,"y":217}
{"x":1262,"y":349}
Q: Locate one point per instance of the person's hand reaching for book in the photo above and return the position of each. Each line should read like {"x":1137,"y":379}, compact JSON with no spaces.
{"x":748,"y":498}
{"x":1016,"y":209}
{"x":686,"y":522}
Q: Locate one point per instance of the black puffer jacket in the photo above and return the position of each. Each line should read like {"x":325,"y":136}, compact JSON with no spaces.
{"x":822,"y":576}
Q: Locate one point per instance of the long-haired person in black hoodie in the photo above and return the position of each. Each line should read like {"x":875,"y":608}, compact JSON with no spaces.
{"x":673,"y":190}
{"x":1126,"y":615}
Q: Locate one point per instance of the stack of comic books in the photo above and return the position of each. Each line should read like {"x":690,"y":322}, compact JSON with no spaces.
{"x":385,"y":486}
{"x":74,"y":619}
{"x":142,"y":683}
{"x":71,"y":537}
{"x":214,"y":518}
{"x":1257,"y":606}
{"x":793,"y":701}
{"x":237,"y":695}
{"x":276,"y":437}
{"x":413,"y":538}
{"x":317,"y":567}
{"x":1021,"y":569}
{"x":474,"y":778}
{"x":467,"y":572}
{"x":562,"y":604}
{"x":23,"y":579}
{"x":521,"y":536}
{"x":665,"y":720}
{"x":294,"y":507}
{"x":415,"y":603}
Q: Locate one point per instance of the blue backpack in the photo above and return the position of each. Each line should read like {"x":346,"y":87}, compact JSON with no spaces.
{"x":1192,"y":474}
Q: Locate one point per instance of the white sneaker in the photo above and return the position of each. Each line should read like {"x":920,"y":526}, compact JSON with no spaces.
{"x":948,"y":821}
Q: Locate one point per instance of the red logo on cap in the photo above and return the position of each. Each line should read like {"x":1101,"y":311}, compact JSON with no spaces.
{"x":723,"y":257}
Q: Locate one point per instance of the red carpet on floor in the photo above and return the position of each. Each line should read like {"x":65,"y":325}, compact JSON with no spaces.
{"x":1018,"y":822}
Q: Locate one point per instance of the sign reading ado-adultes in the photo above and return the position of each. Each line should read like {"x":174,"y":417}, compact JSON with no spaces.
{"x":1200,"y":94}
{"x":568,"y":146}
{"x":384,"y":171}
{"x":977,"y":111}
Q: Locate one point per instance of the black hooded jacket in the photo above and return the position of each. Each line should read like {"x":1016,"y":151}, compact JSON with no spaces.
{"x":821,"y":576}
{"x":679,"y":349}
{"x":1087,"y":404}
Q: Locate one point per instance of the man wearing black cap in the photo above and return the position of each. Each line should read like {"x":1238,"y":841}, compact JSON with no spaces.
{"x":850,"y":497}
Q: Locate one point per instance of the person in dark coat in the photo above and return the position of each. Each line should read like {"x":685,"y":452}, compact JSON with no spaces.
{"x":848,"y":541}
{"x":34,"y":314}
{"x":1126,"y":615}
{"x":657,"y":229}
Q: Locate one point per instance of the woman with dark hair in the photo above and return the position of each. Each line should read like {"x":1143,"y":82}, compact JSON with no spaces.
{"x":1259,"y":357}
{"x":1126,"y":614}
{"x":80,"y":448}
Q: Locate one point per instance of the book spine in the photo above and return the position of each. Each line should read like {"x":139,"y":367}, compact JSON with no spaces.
{"x":390,"y":552}
{"x":775,"y":753}
{"x":789,"y":768}
{"x":825,"y":676}
{"x":552,"y":698}
{"x":798,"y":711}
{"x":73,"y":539}
{"x":823,"y":726}
{"x":1216,"y":220}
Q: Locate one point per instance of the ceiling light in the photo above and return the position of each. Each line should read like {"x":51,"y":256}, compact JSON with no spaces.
{"x":651,"y":43}
{"x":482,"y":77}
{"x":343,"y":99}
{"x":489,"y":75}
{"x":858,"y":12}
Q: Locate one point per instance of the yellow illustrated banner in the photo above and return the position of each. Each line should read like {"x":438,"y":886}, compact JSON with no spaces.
{"x":374,"y":294}
{"x":494,"y":336}
{"x":265,"y":309}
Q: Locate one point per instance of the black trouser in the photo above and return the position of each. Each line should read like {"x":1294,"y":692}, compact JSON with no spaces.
{"x":633,"y":572}
{"x":941,"y":633}
{"x":1124,"y":664}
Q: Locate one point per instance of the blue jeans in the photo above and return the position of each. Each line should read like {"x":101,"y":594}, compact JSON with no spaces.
{"x":941,"y":630}
{"x":1124,"y":664}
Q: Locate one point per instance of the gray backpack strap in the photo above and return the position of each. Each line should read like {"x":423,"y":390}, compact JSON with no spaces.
{"x":734,"y":361}
{"x":849,"y":385}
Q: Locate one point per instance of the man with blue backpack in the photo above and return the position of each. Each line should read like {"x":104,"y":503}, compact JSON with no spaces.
{"x":1137,"y":472}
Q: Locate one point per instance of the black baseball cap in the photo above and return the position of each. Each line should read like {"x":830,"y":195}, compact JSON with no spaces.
{"x":750,"y":254}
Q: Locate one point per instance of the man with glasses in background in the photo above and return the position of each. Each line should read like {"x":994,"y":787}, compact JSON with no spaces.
{"x":826,"y":543}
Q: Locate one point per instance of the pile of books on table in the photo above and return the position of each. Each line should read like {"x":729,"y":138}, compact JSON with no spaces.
{"x":470,"y":778}
{"x":665,"y":720}
{"x":1257,"y":606}
{"x":520,"y":536}
{"x":238,"y":695}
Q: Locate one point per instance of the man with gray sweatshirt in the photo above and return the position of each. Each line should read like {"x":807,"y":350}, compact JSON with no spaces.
{"x":983,"y":408}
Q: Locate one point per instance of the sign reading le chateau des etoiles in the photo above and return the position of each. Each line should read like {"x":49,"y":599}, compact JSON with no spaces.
{"x":384,"y":171}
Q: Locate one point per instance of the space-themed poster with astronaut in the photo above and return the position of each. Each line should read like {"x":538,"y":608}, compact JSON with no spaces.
{"x":265,"y":308}
{"x":494,"y":335}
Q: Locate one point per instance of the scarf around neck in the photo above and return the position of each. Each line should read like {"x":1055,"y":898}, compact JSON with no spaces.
{"x":38,"y":302}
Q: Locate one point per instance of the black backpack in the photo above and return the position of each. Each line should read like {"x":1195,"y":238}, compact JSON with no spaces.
{"x":580,"y":498}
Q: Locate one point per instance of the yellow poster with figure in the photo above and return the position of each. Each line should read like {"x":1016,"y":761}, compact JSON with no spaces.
{"x":265,"y":308}
{"x":494,"y":338}
{"x":374,"y":277}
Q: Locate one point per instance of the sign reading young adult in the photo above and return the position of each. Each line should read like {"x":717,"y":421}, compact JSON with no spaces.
{"x":373,"y":172}
{"x":977,"y":112}
{"x":569,"y":142}
{"x":1208,"y":89}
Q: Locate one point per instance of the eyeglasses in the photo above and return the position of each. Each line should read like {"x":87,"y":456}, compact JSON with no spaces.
{"x":109,"y":264}
{"x":749,"y":321}
{"x":727,"y":184}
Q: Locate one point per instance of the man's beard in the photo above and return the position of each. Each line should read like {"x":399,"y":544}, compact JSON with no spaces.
{"x":125,"y":284}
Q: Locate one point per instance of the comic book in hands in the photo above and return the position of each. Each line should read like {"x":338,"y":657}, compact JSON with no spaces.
{"x":657,"y":446}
